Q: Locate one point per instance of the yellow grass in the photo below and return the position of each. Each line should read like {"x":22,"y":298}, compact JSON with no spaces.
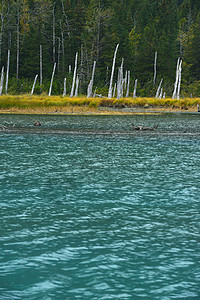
{"x":83,"y":105}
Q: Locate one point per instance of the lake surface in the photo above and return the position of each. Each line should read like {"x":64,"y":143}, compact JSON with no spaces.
{"x":91,"y":209}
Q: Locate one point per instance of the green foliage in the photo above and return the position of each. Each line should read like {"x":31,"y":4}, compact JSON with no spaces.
{"x":192,"y":89}
{"x":93,"y":28}
{"x":134,"y":39}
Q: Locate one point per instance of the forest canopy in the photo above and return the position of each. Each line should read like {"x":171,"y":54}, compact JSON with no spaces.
{"x":93,"y":28}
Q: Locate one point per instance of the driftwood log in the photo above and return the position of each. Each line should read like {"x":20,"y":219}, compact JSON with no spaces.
{"x":144,"y":127}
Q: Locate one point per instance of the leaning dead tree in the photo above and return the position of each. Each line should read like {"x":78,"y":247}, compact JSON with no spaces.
{"x":112,"y":73}
{"x":34,"y":84}
{"x":90,"y":85}
{"x":159,"y":87}
{"x":74,"y":77}
{"x":54,"y":68}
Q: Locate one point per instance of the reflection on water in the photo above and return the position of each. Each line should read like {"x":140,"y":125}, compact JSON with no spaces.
{"x":102,"y":212}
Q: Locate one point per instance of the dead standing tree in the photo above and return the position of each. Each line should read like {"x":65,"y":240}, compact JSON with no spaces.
{"x":177,"y":84}
{"x":90,"y":86}
{"x":50,"y":88}
{"x":74,"y":77}
{"x":32,"y":91}
{"x":112,"y":73}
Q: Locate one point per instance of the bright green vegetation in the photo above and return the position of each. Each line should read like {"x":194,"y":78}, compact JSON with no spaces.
{"x":93,"y":28}
{"x":42,"y":102}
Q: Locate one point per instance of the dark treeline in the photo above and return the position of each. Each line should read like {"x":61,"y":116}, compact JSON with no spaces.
{"x":93,"y":28}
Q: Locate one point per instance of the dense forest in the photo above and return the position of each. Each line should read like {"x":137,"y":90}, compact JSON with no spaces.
{"x":56,"y":29}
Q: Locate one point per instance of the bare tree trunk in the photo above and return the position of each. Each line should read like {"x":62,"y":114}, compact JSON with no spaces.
{"x":125,"y":79}
{"x":9,"y":39}
{"x":74,"y":77}
{"x":112,"y":73}
{"x":176,"y":82}
{"x":7,"y":72}
{"x":161,"y":93}
{"x":54,"y":68}
{"x":34,"y":85}
{"x":64,"y":91}
{"x":158,"y":90}
{"x":154,"y":77}
{"x":120,"y":81}
{"x":2,"y":79}
{"x":135,"y":88}
{"x":90,"y":85}
{"x":77,"y":85}
{"x":179,"y":80}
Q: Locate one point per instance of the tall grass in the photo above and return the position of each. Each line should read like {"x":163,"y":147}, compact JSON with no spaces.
{"x":39,"y":102}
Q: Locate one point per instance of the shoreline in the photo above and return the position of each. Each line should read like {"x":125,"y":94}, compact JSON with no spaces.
{"x":58,"y":105}
{"x":89,"y":111}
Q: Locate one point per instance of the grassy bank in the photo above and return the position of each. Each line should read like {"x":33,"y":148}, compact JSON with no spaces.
{"x":53,"y":104}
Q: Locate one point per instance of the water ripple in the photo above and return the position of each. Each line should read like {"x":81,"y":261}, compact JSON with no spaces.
{"x":93,"y":216}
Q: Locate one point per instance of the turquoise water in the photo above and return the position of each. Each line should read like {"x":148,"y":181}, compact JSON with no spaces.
{"x":90,"y":209}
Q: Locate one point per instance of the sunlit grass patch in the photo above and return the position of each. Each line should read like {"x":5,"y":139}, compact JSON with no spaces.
{"x":59,"y":102}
